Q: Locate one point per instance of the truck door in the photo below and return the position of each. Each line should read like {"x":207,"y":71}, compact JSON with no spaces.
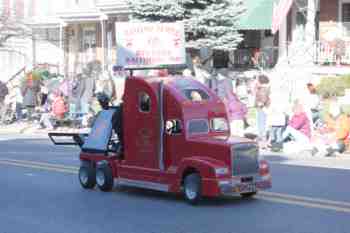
{"x":141,"y":134}
{"x":174,"y":132}
{"x":147,"y":133}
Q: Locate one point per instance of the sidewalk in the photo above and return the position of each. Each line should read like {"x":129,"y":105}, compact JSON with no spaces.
{"x":339,"y":162}
{"x":32,"y":129}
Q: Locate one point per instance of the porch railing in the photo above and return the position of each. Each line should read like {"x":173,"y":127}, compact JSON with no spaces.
{"x":265,"y":58}
{"x":336,"y":52}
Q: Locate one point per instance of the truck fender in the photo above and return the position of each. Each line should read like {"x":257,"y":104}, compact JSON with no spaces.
{"x":203,"y":165}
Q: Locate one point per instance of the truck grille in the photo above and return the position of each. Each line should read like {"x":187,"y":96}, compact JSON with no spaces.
{"x":244,"y":159}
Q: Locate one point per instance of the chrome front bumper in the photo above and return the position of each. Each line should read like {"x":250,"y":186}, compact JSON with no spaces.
{"x":238,"y":185}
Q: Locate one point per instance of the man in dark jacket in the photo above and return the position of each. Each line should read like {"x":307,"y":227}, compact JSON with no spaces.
{"x":3,"y":93}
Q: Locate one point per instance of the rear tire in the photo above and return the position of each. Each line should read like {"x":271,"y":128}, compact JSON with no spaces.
{"x":248,"y":195}
{"x":87,"y":176}
{"x":104,"y":178}
{"x":193,"y":188}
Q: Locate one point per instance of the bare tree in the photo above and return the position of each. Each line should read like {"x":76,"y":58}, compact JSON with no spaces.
{"x":12,"y":27}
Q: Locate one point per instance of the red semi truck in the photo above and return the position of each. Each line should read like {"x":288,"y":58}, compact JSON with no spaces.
{"x":175,"y":139}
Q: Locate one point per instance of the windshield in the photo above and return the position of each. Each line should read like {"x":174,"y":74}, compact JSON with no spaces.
{"x":198,"y":126}
{"x":218,"y":125}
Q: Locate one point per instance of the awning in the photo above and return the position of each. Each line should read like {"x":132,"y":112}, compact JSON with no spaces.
{"x":261,"y":14}
{"x":258,"y":15}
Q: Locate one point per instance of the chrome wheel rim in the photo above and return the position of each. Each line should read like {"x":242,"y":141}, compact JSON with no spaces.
{"x":100,"y":178}
{"x":83,"y":176}
{"x":190,"y":191}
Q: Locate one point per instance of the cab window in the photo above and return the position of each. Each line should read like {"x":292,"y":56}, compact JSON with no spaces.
{"x":198,"y":126}
{"x":218,"y":124}
{"x":195,"y":94}
{"x":173,"y":127}
{"x":144,"y":102}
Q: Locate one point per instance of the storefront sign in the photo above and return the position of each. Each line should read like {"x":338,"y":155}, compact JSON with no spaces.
{"x":150,"y":44}
{"x":280,"y":12}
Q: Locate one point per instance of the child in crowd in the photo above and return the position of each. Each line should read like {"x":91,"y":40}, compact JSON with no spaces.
{"x":333,"y":138}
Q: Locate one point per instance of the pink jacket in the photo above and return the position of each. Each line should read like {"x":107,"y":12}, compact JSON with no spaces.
{"x":236,"y":110}
{"x":59,"y":107}
{"x":301,"y":123}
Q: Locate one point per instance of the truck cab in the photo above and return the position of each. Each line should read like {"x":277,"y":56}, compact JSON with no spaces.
{"x":175,"y":139}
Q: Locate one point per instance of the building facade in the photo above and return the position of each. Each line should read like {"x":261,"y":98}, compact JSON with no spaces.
{"x":67,"y":33}
{"x":84,"y":29}
{"x":334,"y":32}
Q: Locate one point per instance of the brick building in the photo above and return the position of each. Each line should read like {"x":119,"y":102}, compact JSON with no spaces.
{"x":334,"y":32}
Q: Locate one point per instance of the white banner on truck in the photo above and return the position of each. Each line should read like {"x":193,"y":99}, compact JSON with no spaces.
{"x":143,"y":45}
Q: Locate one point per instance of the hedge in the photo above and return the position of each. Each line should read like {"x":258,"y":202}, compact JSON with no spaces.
{"x":333,"y":86}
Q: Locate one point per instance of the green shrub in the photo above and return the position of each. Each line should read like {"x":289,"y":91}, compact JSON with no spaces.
{"x":333,"y":86}
{"x":346,"y":109}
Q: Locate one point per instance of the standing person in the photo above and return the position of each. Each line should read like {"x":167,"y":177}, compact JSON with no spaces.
{"x":236,"y":111}
{"x":89,"y":89}
{"x":105,"y":85}
{"x":262,"y":102}
{"x":3,"y":93}
{"x":19,"y":102}
{"x":29,"y":92}
{"x":276,"y":118}
{"x":200,"y":74}
{"x":118,"y":77}
{"x":75,"y":94}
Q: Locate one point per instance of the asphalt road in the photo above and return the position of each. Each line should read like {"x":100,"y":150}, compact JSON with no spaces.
{"x":40,"y":193}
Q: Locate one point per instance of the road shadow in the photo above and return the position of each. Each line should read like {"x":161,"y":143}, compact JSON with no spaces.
{"x":276,"y":158}
{"x":178,"y":198}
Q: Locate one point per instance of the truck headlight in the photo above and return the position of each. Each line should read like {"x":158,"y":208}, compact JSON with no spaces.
{"x":221,"y":171}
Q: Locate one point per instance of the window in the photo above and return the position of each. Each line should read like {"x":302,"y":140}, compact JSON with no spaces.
{"x":195,"y":94}
{"x":220,"y":59}
{"x":198,"y":126}
{"x":219,"y":125}
{"x":144,"y":102}
{"x":345,"y":12}
{"x":89,"y":38}
{"x":173,"y":127}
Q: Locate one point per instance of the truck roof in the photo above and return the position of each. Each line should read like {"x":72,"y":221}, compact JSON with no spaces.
{"x":206,"y":104}
{"x":179,"y":83}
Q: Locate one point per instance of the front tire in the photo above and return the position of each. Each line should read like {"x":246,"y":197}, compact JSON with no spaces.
{"x":193,"y":188}
{"x":248,"y":195}
{"x":104,"y":178}
{"x":87,"y":176}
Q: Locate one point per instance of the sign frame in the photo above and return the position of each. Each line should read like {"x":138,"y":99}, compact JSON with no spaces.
{"x":150,"y":45}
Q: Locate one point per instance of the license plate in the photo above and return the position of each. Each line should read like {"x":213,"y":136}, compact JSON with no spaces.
{"x":247,"y":188}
